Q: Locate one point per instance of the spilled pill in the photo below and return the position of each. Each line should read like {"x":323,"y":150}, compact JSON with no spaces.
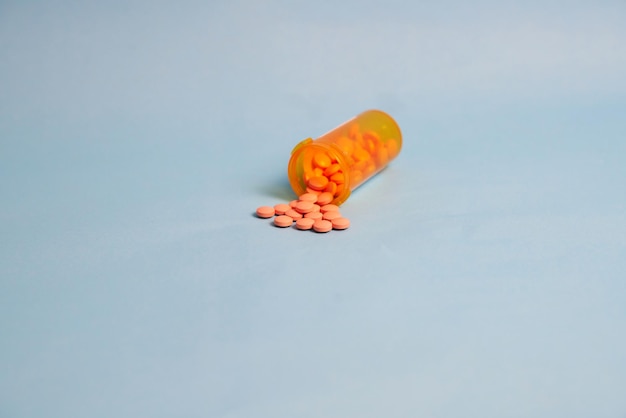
{"x":314,"y":208}
{"x":324,"y":198}
{"x":281,"y":208}
{"x":306,"y":214}
{"x":314,"y":215}
{"x":308,"y":197}
{"x":293,"y":214}
{"x":340,"y":223}
{"x":322,"y":225}
{"x":330,"y":215}
{"x":304,"y":207}
{"x":283,"y":221}
{"x":329,"y":208}
{"x":265,"y":211}
{"x":305,"y":223}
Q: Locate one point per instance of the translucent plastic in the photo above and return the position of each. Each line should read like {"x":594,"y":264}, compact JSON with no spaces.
{"x":346,"y":157}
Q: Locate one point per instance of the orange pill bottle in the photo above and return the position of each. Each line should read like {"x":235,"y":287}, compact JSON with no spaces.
{"x":346,"y":157}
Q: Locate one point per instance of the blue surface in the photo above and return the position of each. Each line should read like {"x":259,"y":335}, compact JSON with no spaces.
{"x":484,"y":272}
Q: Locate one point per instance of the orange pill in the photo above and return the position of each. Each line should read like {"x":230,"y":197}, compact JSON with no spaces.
{"x":360,"y":166}
{"x":313,"y":191}
{"x":293,"y":214}
{"x":265,"y":211}
{"x":304,"y":206}
{"x":305,"y":223}
{"x":283,"y":221}
{"x":293,"y":203}
{"x":281,"y":208}
{"x":361,"y":154}
{"x":331,"y":188}
{"x":314,"y":215}
{"x":317,"y":182}
{"x":307,"y":162}
{"x":369,"y":169}
{"x":371,"y":135}
{"x":325,"y":198}
{"x":337,"y":178}
{"x":340,"y":223}
{"x":333,"y":214}
{"x":321,"y":160}
{"x":332,"y":170}
{"x":382,"y":156}
{"x":329,"y":208}
{"x":358,"y":139}
{"x":339,"y":190}
{"x":318,"y":172}
{"x":308,"y":197}
{"x":346,"y":145}
{"x":322,"y":225}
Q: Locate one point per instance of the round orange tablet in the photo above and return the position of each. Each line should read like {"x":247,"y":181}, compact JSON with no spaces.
{"x":321,"y":160}
{"x":361,"y":155}
{"x":281,"y":208}
{"x":331,"y":188}
{"x":314,"y":215}
{"x":308,"y":197}
{"x":305,"y":223}
{"x":318,"y":182}
{"x":322,"y":226}
{"x":324,"y":198}
{"x":293,"y":214}
{"x":345,"y":144}
{"x":339,"y":189}
{"x":382,"y":156}
{"x":328,"y":208}
{"x":340,"y":223}
{"x":293,"y":203}
{"x":337,"y":178}
{"x":332,"y":170}
{"x":304,"y":207}
{"x":283,"y":221}
{"x":330,"y":215}
{"x":265,"y":212}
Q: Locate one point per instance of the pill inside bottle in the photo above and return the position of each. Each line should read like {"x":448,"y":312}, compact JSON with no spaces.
{"x":344,"y":158}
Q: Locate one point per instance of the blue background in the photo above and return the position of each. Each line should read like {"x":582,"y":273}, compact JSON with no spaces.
{"x":484,"y":271}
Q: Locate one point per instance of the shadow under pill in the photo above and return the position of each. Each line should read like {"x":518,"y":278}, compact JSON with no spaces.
{"x":280,"y":190}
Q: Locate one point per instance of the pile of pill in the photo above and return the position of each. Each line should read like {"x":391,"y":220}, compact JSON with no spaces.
{"x":310,"y":211}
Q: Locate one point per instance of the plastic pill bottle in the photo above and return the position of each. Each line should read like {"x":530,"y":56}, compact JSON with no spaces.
{"x":346,"y":157}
